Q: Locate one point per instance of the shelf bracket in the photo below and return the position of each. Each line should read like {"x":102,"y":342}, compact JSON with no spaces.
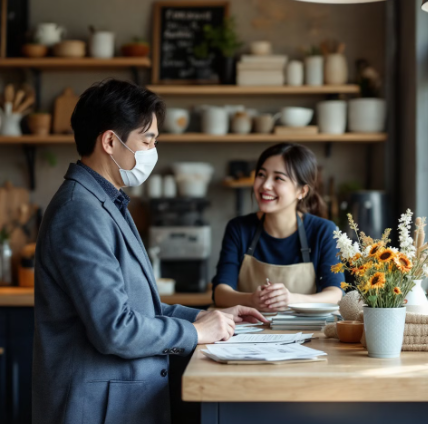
{"x":135,"y":75}
{"x":30,"y":157}
{"x":239,"y":198}
{"x":37,"y":86}
{"x":328,"y":149}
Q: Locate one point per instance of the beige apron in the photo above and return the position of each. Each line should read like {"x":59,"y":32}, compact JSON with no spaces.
{"x":298,"y":278}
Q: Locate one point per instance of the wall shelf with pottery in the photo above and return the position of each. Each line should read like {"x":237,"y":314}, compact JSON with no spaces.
{"x":233,"y":90}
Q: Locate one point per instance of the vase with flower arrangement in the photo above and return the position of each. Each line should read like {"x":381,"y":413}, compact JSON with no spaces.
{"x":383,"y":277}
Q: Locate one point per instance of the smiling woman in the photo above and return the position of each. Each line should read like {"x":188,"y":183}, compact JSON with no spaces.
{"x":288,"y":244}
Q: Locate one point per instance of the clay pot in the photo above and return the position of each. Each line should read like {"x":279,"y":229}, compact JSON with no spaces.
{"x":136,"y":49}
{"x":70,"y":48}
{"x":34,"y":50}
{"x":39,"y":123}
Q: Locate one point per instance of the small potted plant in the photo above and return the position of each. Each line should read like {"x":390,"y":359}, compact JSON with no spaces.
{"x":223,"y":40}
{"x":368,"y":113}
{"x":384,"y":276}
{"x":137,"y":48}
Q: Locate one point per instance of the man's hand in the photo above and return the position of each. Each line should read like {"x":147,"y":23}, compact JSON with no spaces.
{"x":245,"y":313}
{"x":214,"y":326}
{"x":275,"y":297}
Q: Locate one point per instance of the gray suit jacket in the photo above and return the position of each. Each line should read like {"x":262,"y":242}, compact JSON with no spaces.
{"x":102,"y":336}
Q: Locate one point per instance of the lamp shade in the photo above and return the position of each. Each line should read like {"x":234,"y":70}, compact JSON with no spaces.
{"x":425,"y":5}
{"x":346,"y":1}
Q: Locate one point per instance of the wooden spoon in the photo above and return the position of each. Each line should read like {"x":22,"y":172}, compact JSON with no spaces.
{"x":9,"y":93}
{"x":25,"y":104}
{"x":18,"y":99}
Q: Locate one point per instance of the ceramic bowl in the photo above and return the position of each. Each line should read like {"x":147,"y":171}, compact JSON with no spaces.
{"x":296,"y":116}
{"x":34,"y":50}
{"x":70,"y":48}
{"x":261,"y":48}
{"x":349,"y":331}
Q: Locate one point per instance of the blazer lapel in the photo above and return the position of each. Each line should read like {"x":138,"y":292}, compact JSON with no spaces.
{"x":135,"y":245}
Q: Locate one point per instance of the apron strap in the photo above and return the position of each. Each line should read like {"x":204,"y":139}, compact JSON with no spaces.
{"x":304,"y":248}
{"x":302,"y":237}
{"x":252,"y":248}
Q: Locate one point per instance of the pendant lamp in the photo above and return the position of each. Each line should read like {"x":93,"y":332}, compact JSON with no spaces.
{"x":424,"y":6}
{"x":351,"y":2}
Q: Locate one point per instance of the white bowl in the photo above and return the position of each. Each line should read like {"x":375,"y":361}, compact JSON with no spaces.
{"x":296,"y":116}
{"x":261,"y":48}
{"x":367,"y":115}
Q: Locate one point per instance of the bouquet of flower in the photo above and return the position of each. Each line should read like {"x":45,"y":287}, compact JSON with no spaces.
{"x":384,"y":275}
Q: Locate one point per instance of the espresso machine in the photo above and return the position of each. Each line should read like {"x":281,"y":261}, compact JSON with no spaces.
{"x":184,"y":240}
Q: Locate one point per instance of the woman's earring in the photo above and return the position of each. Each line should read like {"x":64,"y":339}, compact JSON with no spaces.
{"x":300,"y":197}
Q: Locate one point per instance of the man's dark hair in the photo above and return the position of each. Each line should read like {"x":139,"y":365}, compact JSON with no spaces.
{"x":115,"y":105}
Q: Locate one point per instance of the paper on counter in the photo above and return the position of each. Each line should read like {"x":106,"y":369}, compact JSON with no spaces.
{"x":243,"y":330}
{"x":267,"y":338}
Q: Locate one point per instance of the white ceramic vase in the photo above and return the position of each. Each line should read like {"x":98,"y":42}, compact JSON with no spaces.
{"x":332,"y":116}
{"x":176,"y":120}
{"x":314,"y":70}
{"x":384,"y":330}
{"x":367,"y":115}
{"x":215,"y":120}
{"x":295,"y":73}
{"x":101,"y":44}
{"x":416,"y":300}
{"x":10,"y":124}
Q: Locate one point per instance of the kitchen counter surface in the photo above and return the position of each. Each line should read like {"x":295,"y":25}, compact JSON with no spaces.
{"x":348,"y":375}
{"x":23,"y":296}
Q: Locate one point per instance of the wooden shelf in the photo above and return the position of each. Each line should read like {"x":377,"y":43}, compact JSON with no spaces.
{"x":244,"y":183}
{"x":197,"y":90}
{"x":67,"y":63}
{"x":207,"y":138}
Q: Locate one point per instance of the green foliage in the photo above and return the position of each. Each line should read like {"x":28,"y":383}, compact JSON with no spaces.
{"x":222,"y":38}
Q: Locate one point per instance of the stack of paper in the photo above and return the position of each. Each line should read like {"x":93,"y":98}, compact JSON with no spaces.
{"x":290,"y":321}
{"x":261,"y":70}
{"x":266,"y":352}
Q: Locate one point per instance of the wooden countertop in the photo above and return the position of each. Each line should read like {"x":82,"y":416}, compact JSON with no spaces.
{"x":348,"y":375}
{"x":23,"y":296}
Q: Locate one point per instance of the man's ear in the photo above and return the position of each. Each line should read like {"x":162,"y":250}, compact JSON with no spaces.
{"x":107,"y":140}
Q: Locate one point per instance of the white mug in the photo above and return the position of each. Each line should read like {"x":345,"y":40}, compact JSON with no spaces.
{"x":215,"y":120}
{"x":314,"y":69}
{"x":101,"y":44}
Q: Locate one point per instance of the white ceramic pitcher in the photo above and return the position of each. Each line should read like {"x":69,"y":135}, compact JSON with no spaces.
{"x":49,"y":33}
{"x":10,"y":122}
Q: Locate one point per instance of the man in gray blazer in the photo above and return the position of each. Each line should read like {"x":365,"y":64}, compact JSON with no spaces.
{"x":102,"y":336}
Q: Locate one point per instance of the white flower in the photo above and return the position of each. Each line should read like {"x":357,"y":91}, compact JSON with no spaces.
{"x":406,"y":242}
{"x":347,"y":249}
{"x":366,"y":251}
{"x":425,"y":269}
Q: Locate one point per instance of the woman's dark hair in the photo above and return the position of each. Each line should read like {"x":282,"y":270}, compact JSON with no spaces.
{"x":115,"y":105}
{"x":301,"y":166}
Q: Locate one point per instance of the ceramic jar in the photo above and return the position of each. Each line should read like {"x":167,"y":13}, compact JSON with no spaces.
{"x":416,"y":299}
{"x":101,"y":44}
{"x":10,"y":124}
{"x":336,"y":69}
{"x":215,"y":120}
{"x":169,"y":186}
{"x":261,"y":48}
{"x":39,"y":123}
{"x":295,"y":73}
{"x":241,"y":123}
{"x":332,"y":116}
{"x":154,"y":190}
{"x":367,"y":115}
{"x":263,"y":124}
{"x":384,"y":330}
{"x":314,"y":70}
{"x":176,"y":120}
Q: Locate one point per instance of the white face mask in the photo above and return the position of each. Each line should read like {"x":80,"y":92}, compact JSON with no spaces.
{"x":145,"y":161}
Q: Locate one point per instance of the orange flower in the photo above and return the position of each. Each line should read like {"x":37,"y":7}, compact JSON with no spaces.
{"x":397,"y":290}
{"x":344,"y":286}
{"x":374,"y":249}
{"x":377,"y":281}
{"x":385,"y":255}
{"x":403,"y":263}
{"x":354,"y":259}
{"x":337,"y":268}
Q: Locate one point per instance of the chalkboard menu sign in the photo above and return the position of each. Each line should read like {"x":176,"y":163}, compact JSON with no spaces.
{"x":178,"y":28}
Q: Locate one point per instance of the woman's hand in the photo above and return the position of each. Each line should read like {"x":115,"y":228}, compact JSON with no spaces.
{"x":256,"y":303}
{"x":275,"y":297}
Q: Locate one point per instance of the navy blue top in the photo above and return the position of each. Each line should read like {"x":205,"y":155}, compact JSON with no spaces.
{"x":118,"y":197}
{"x":278,"y":251}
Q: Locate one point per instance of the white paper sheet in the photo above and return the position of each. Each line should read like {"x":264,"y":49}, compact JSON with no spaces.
{"x":266,"y":338}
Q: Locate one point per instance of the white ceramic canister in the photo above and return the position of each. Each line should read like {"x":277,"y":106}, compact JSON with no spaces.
{"x":367,"y":115}
{"x":169,"y":186}
{"x":332,"y":116}
{"x":215,"y":120}
{"x":314,"y":70}
{"x":241,"y":123}
{"x":336,"y":69}
{"x":295,"y":73}
{"x":11,"y":124}
{"x":154,"y":190}
{"x":101,"y":44}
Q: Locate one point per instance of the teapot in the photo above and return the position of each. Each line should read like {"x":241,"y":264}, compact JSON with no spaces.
{"x":49,"y":34}
{"x":265,"y":122}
